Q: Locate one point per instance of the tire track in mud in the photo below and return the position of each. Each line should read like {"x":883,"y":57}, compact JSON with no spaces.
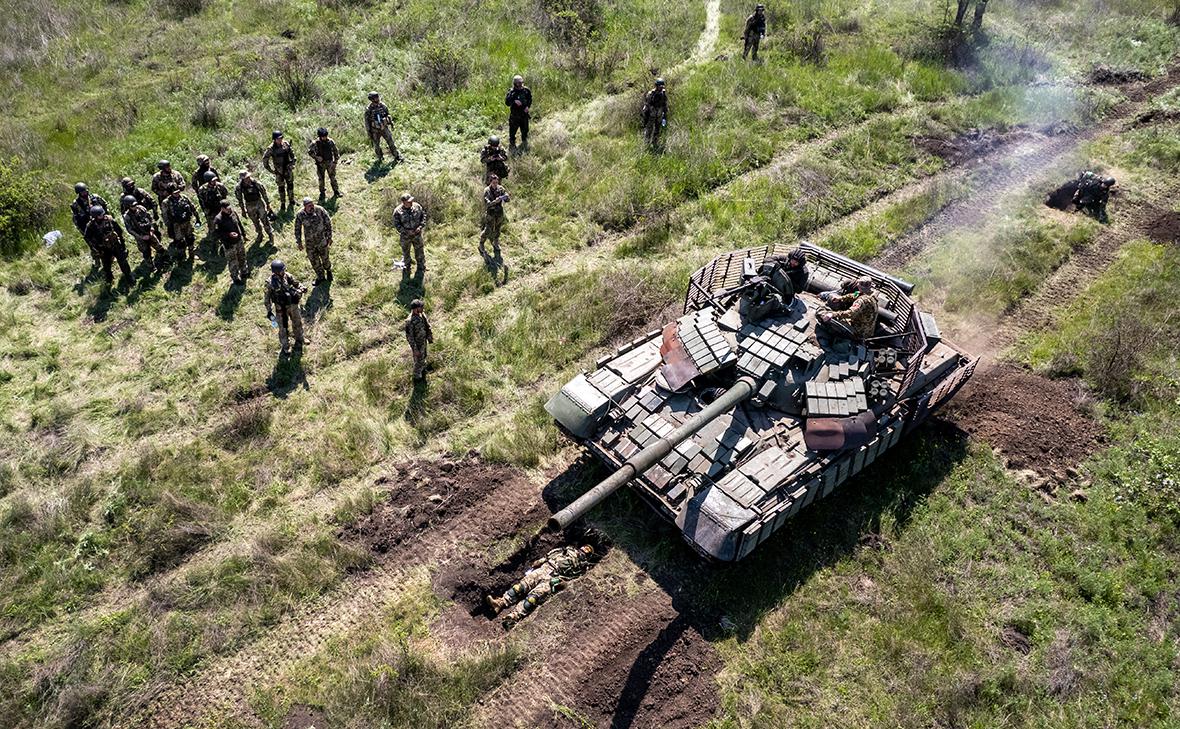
{"x":224,"y":685}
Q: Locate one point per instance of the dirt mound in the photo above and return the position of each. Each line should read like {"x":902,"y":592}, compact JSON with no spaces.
{"x":1103,"y":74}
{"x":1032,"y":420}
{"x":665,"y":682}
{"x":1164,"y":227}
{"x":966,"y":146}
{"x":304,"y":717}
{"x":426,"y":493}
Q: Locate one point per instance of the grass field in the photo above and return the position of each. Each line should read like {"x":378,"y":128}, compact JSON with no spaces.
{"x":170,"y":491}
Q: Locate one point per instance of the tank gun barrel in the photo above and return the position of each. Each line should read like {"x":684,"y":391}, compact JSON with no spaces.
{"x":652,"y":454}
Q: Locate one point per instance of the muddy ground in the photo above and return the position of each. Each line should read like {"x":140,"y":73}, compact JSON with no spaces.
{"x":1036,"y":423}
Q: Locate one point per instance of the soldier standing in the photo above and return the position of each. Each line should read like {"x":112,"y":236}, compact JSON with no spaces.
{"x":139,"y":195}
{"x":852,"y":311}
{"x":323,"y":150}
{"x":105,"y":236}
{"x":755,"y":31}
{"x":141,"y":224}
{"x":410,"y":219}
{"x":546,"y":576}
{"x":226,"y":226}
{"x":378,"y":126}
{"x":165,"y":178}
{"x":494,"y":197}
{"x":210,"y":194}
{"x":179,"y":216}
{"x":655,"y":113}
{"x":279,"y":160}
{"x":519,"y":102}
{"x":83,"y":201}
{"x":494,"y":159}
{"x":281,"y":296}
{"x":317,"y":224}
{"x":255,"y":204}
{"x":418,"y":334}
{"x":203,"y":165}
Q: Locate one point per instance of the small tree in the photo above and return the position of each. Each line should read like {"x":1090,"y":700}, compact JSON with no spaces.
{"x":24,"y":207}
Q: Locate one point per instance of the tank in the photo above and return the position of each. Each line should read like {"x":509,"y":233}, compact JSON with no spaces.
{"x":743,"y":411}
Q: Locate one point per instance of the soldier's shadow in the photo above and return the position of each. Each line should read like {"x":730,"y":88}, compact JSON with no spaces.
{"x":94,"y":272}
{"x":377,"y":171}
{"x":722,"y":601}
{"x":411,"y":288}
{"x":180,"y":276}
{"x":496,"y":268}
{"x":319,"y":300}
{"x":288,"y":375}
{"x":227,"y":308}
{"x":147,"y":278}
{"x":212,"y":258}
{"x":260,"y":253}
{"x":416,"y":407}
{"x":102,"y":305}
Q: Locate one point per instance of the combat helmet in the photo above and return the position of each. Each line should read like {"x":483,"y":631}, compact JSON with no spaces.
{"x":129,"y":200}
{"x":80,"y":187}
{"x":277,"y":266}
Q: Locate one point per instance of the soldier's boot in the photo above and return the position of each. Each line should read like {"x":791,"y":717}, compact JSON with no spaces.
{"x":336,"y":190}
{"x":323,"y":195}
{"x":495,"y":604}
{"x":328,"y":273}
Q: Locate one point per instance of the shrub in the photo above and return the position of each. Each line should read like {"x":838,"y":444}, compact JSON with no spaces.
{"x":443,"y":67}
{"x":208,"y":114}
{"x":297,"y":83}
{"x":325,"y":47}
{"x":181,"y":9}
{"x":571,"y":21}
{"x":24,"y":207}
{"x":808,"y":42}
{"x":1115,"y":357}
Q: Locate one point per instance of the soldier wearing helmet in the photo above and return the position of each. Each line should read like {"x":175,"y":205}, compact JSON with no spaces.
{"x":163,"y":179}
{"x":255,"y":203}
{"x":755,"y":30}
{"x":519,"y":101}
{"x":1092,"y":194}
{"x":544,"y":577}
{"x":323,"y":150}
{"x":203,"y":165}
{"x":210,"y":194}
{"x":279,"y":160}
{"x":141,"y":224}
{"x":227,"y":229}
{"x":80,"y":212}
{"x":494,"y":197}
{"x":851,"y":312}
{"x":655,"y":113}
{"x":281,"y":295}
{"x":419,"y":335}
{"x":410,"y":219}
{"x":313,"y":223}
{"x":105,"y":237}
{"x":494,"y":159}
{"x":180,"y":218}
{"x":140,"y":196}
{"x":379,"y":126}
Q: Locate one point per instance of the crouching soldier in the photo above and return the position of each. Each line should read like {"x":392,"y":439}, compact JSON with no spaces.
{"x":1092,"y":194}
{"x":227,"y":228}
{"x":547,"y":575}
{"x":282,"y":304}
{"x":180,"y":217}
{"x":418,"y":334}
{"x":105,"y":236}
{"x":852,"y":311}
{"x":141,"y":224}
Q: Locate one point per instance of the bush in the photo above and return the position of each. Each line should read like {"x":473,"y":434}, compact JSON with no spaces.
{"x":24,"y":207}
{"x":297,"y":84}
{"x":443,"y":67}
{"x":571,"y":21}
{"x":208,"y":114}
{"x":325,"y":47}
{"x":1114,"y":360}
{"x":808,"y":43}
{"x":181,"y":9}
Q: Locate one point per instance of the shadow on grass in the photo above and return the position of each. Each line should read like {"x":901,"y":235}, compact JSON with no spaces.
{"x":416,"y":408}
{"x":227,"y":308}
{"x":288,"y":375}
{"x":719,"y":601}
{"x":212,"y":258}
{"x":411,"y":288}
{"x":260,"y":253}
{"x":496,"y":268}
{"x":320,"y":299}
{"x":377,"y":171}
{"x":181,"y":274}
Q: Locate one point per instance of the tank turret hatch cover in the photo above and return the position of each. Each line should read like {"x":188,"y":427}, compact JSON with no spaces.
{"x":693,"y":345}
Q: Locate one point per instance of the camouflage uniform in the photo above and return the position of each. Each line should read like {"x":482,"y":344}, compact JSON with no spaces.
{"x":162,"y":180}
{"x":547,"y":576}
{"x":142,"y":197}
{"x":105,"y":236}
{"x":755,"y":30}
{"x":223,"y":226}
{"x":377,"y":126}
{"x":141,"y":224}
{"x":282,"y":292}
{"x":80,"y":211}
{"x":418,"y":334}
{"x":408,"y":221}
{"x":324,"y":152}
{"x":279,"y":160}
{"x":1092,"y":195}
{"x":655,"y":115}
{"x":255,"y":204}
{"x":210,"y":196}
{"x":179,"y":214}
{"x":198,"y":178}
{"x":495,"y":162}
{"x":317,"y":224}
{"x":493,"y":217}
{"x":855,"y":311}
{"x":518,"y":116}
